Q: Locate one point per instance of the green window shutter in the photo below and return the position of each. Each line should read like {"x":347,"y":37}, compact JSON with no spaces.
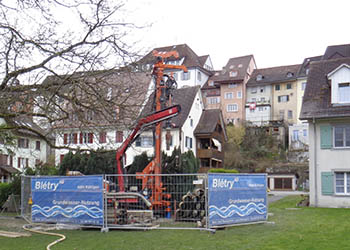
{"x":327,"y":183}
{"x":326,"y":136}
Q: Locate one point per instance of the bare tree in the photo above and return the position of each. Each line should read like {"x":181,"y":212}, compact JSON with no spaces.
{"x":63,"y":62}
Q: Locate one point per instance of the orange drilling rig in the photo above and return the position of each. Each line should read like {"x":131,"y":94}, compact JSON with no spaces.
{"x":151,"y":175}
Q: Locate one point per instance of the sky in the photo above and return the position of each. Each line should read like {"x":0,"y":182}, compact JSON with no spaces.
{"x":277,"y":32}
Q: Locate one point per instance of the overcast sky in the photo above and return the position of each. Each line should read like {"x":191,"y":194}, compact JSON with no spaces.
{"x":276,"y":32}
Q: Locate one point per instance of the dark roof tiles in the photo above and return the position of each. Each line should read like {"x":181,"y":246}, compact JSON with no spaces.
{"x":274,"y":75}
{"x":317,"y":96}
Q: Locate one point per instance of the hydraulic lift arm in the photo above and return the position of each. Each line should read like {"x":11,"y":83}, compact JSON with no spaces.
{"x":141,"y":124}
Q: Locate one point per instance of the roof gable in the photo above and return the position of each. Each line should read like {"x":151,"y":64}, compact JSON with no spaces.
{"x":337,"y":69}
{"x":235,"y":69}
{"x":210,"y":118}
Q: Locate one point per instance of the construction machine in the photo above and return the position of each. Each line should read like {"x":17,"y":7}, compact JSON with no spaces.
{"x":157,"y":198}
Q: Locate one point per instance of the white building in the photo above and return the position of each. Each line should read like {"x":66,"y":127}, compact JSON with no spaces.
{"x":28,"y":149}
{"x":326,"y":106}
{"x":199,"y":67}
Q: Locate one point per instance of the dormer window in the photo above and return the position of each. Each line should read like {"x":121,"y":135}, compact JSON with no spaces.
{"x":340,"y":84}
{"x":259,"y":77}
{"x":290,"y":74}
{"x":211,"y":83}
{"x":344,"y":92}
{"x":233,"y":73}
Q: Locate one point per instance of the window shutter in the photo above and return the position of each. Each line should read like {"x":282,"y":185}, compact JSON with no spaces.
{"x":326,"y":136}
{"x":19,"y":162}
{"x":27,"y":162}
{"x":81,"y":138}
{"x":75,"y":138}
{"x":91,"y":140}
{"x":327,"y":183}
{"x":65,"y":138}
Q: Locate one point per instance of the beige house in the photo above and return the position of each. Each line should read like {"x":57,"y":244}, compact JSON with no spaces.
{"x":284,"y":94}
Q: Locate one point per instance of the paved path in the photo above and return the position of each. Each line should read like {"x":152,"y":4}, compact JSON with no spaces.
{"x":277,"y":195}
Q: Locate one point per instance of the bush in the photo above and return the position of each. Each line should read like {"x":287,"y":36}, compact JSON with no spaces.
{"x":5,"y":191}
{"x":222,"y":170}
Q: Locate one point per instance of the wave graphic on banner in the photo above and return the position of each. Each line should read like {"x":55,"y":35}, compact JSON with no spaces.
{"x":93,"y":212}
{"x":225,"y":212}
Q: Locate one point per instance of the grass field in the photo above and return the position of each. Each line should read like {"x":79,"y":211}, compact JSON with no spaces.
{"x":304,"y":228}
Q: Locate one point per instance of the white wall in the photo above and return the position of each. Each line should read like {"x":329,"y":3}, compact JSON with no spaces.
{"x":340,"y":76}
{"x":325,"y":160}
{"x":193,"y":81}
{"x":302,"y":140}
{"x":29,"y":153}
{"x":259,"y":117}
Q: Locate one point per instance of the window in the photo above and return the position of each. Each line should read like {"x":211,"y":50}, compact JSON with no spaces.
{"x":262,"y":99}
{"x":144,"y":141}
{"x":119,"y":136}
{"x":261,"y":109}
{"x":23,"y":143}
{"x":262,"y":89}
{"x":109,"y":94}
{"x":342,"y":136}
{"x":342,"y":182}
{"x":239,"y":94}
{"x":253,"y":99}
{"x":344,"y":92}
{"x":283,"y":98}
{"x":213,"y":100}
{"x":232,"y":85}
{"x":232,"y":108}
{"x":37,"y":145}
{"x":71,"y":138}
{"x":281,"y":112}
{"x":290,"y":114}
{"x":191,"y":122}
{"x":304,"y":132}
{"x":228,"y":95}
{"x":277,"y":87}
{"x":90,"y":115}
{"x":188,"y":142}
{"x":253,"y":90}
{"x":289,"y":86}
{"x":290,"y":74}
{"x":303,"y":85}
{"x":211,"y":83}
{"x":186,"y":76}
{"x":233,"y":73}
{"x":199,"y":76}
{"x":22,"y":162}
{"x":103,"y":137}
{"x":295,"y":136}
{"x":259,"y":77}
{"x":86,"y":138}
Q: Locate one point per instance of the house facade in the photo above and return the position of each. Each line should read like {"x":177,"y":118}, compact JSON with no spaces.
{"x":86,"y":130}
{"x":27,"y":150}
{"x":326,"y":106}
{"x":230,"y":82}
{"x":189,"y":130}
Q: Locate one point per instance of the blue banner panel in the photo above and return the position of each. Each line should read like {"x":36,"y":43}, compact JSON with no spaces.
{"x":68,"y":199}
{"x":236,"y":199}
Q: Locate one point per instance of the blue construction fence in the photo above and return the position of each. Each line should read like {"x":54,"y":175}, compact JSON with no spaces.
{"x":230,"y":199}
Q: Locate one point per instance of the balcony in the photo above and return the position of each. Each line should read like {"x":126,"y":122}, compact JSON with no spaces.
{"x":210,"y":153}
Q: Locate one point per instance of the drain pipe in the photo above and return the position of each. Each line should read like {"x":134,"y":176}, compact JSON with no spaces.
{"x":315,"y":162}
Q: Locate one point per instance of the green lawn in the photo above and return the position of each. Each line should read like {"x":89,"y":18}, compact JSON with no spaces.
{"x":305,"y":228}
